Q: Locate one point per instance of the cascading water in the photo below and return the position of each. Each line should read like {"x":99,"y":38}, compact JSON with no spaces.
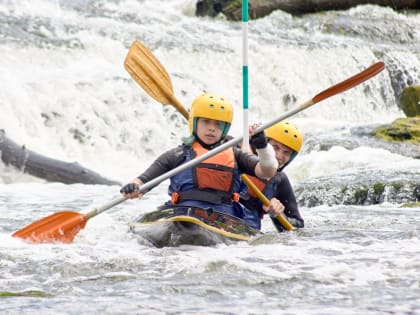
{"x":65,"y":94}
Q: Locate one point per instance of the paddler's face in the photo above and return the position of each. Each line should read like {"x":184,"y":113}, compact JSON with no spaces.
{"x":283,"y":153}
{"x":209,"y":130}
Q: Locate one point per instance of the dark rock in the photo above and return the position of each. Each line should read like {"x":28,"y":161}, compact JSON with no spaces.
{"x":232,"y":9}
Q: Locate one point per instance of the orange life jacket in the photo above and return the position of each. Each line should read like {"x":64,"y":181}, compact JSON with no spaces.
{"x":214,"y":180}
{"x":217,"y":171}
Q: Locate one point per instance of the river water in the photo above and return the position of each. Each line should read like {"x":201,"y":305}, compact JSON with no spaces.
{"x":65,"y":94}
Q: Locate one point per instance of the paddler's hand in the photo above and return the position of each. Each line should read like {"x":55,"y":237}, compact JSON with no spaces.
{"x":268,"y":164}
{"x":258,"y":140}
{"x":275,"y":208}
{"x":131,"y":191}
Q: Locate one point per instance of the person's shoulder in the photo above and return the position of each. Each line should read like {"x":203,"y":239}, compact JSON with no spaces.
{"x":178,"y":153}
{"x":239,"y":151}
{"x":174,"y":156}
{"x":228,"y":138}
{"x":178,"y":150}
{"x":245,"y":158}
{"x":282,"y":174}
{"x":282,"y":177}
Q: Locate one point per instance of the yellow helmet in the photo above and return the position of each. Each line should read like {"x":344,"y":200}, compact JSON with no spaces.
{"x":287,"y":134}
{"x":210,"y":106}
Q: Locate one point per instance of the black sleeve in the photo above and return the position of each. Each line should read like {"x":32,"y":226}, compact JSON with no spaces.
{"x":284,"y":192}
{"x":246,"y":162}
{"x":164,"y":163}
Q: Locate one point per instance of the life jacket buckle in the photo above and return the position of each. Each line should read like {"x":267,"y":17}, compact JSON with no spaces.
{"x":235,"y":197}
{"x":174,"y":197}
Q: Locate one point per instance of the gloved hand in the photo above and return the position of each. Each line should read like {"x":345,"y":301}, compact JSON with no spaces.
{"x":131,"y":190}
{"x":258,"y":141}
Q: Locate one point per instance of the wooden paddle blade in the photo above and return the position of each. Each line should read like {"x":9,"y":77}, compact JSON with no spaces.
{"x":350,"y":82}
{"x":148,"y":72}
{"x":60,"y":227}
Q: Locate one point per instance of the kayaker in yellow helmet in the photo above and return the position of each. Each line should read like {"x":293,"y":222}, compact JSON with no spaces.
{"x":215,"y":182}
{"x":287,"y":141}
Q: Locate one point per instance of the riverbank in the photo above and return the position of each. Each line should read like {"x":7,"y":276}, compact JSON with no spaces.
{"x":232,"y":9}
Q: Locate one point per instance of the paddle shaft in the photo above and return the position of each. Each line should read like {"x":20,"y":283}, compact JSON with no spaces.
{"x":177,"y":104}
{"x":265,"y":201}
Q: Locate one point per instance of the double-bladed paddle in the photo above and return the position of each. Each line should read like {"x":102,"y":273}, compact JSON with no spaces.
{"x":63,"y":226}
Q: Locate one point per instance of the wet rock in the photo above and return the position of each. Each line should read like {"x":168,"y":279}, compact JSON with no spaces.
{"x":409,"y":101}
{"x":401,"y":130}
{"x":321,"y":192}
{"x":411,"y":205}
{"x":360,"y":136}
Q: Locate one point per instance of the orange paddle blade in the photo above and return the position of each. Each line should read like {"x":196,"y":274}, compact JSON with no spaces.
{"x":60,"y":227}
{"x":350,"y":82}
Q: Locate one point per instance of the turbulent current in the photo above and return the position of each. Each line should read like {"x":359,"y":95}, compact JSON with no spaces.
{"x":66,"y":95}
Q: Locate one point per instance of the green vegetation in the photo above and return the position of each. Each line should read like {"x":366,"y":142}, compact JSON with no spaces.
{"x":24,"y":293}
{"x":378,"y":189}
{"x":361,"y":195}
{"x":397,"y":186}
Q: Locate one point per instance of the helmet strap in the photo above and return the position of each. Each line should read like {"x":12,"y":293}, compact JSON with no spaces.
{"x":292,"y":156}
{"x":194,"y":129}
{"x":225,"y":130}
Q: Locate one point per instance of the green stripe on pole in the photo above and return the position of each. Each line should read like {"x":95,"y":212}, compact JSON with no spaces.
{"x":245,"y":86}
{"x":245,"y":11}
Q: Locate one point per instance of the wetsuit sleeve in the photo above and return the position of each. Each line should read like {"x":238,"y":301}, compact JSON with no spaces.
{"x":284,"y":192}
{"x":246,"y":162}
{"x":164,"y":163}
